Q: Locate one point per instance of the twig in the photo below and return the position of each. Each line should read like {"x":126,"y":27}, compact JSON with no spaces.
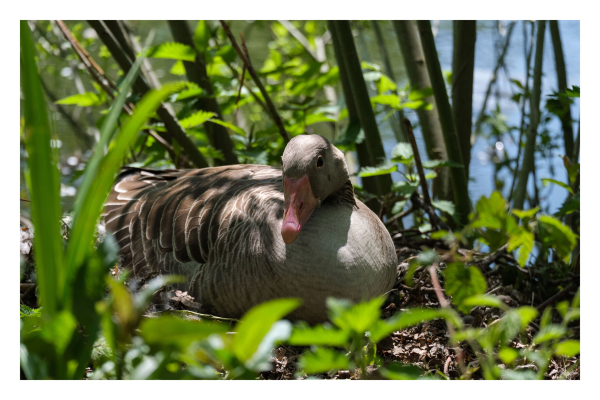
{"x":171,"y":124}
{"x":429,"y":209}
{"x":263,"y":91}
{"x":401,"y":215}
{"x":445,"y":304}
{"x":417,"y":156}
{"x":557,"y":296}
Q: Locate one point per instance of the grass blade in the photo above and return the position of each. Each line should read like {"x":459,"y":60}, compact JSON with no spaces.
{"x":44,"y":179}
{"x":108,"y":167}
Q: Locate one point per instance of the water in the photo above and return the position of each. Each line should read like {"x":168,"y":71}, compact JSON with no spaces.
{"x":481,"y":169}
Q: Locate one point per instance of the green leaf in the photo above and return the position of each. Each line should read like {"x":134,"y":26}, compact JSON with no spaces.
{"x":412,"y":317}
{"x":484,"y":300}
{"x":170,"y":330}
{"x":463,"y":282}
{"x":315,"y":118}
{"x":255,"y":324}
{"x":202,"y":36}
{"x":359,"y":317}
{"x":491,"y":212}
{"x":518,"y":83}
{"x":87,"y":99}
{"x":554,"y":234}
{"x":526,"y":314}
{"x":172,"y":50}
{"x":280,"y":331}
{"x":397,"y":371}
{"x":376,"y":171}
{"x":571,"y":204}
{"x":42,"y":179}
{"x":430,"y":164}
{"x":384,"y":84}
{"x":568,"y":348}
{"x":192,"y":91}
{"x":405,"y":189}
{"x":418,"y":105}
{"x":420,"y":94}
{"x":525,"y":214}
{"x":90,"y":203}
{"x":319,"y":335}
{"x":58,"y":330}
{"x":402,"y":153}
{"x":561,"y":184}
{"x":178,"y":68}
{"x":508,"y":355}
{"x":387,"y":100}
{"x":229,"y":125}
{"x":522,"y":239}
{"x":398,"y":207}
{"x":198,"y":118}
{"x":444,"y":205}
{"x":550,"y":332}
{"x":322,"y":360}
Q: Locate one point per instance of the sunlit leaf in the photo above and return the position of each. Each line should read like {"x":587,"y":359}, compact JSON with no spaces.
{"x":561,"y":184}
{"x":463,"y":282}
{"x":554,"y":234}
{"x":568,"y":348}
{"x":198,"y":118}
{"x":444,"y":205}
{"x":376,"y":171}
{"x":550,"y":332}
{"x":319,"y":335}
{"x":87,"y":99}
{"x":202,"y":36}
{"x":359,"y":317}
{"x":484,"y":300}
{"x":172,"y":50}
{"x":255,"y":324}
{"x":402,"y":153}
{"x":322,"y":360}
{"x":167,"y":330}
{"x":430,"y":164}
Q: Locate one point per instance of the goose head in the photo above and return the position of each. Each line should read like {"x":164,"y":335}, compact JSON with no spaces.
{"x":313,"y":169}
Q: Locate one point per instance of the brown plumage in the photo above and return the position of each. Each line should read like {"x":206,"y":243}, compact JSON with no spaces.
{"x":240,"y":241}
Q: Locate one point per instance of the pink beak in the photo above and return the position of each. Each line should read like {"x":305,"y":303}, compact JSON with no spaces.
{"x":300,"y":203}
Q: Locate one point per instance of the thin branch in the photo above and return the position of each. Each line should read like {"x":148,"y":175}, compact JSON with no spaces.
{"x":557,"y":296}
{"x":171,"y":124}
{"x":270,"y":106}
{"x":493,"y":80}
{"x":529,"y":52}
{"x":445,"y":304}
{"x":419,"y":165}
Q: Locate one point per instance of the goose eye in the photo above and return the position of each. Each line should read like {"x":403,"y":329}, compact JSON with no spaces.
{"x":319,"y":162}
{"x":281,"y":163}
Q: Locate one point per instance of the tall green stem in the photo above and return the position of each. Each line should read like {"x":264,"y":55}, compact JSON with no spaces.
{"x":342,"y":30}
{"x":458,"y":177}
{"x":414,"y":60}
{"x":463,"y":66}
{"x":529,"y":154}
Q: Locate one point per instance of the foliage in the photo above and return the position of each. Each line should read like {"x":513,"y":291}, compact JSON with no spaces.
{"x":88,"y":316}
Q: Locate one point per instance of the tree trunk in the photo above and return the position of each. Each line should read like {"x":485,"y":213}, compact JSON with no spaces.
{"x":463,"y":65}
{"x":561,"y":75}
{"x":410,"y":46}
{"x":369,"y":183}
{"x":196,"y":72}
{"x":458,"y":177}
{"x":342,"y":30}
{"x":529,"y":154}
{"x":396,"y":120}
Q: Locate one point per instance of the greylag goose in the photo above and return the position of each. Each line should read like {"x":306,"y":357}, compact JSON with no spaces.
{"x":245,"y":234}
